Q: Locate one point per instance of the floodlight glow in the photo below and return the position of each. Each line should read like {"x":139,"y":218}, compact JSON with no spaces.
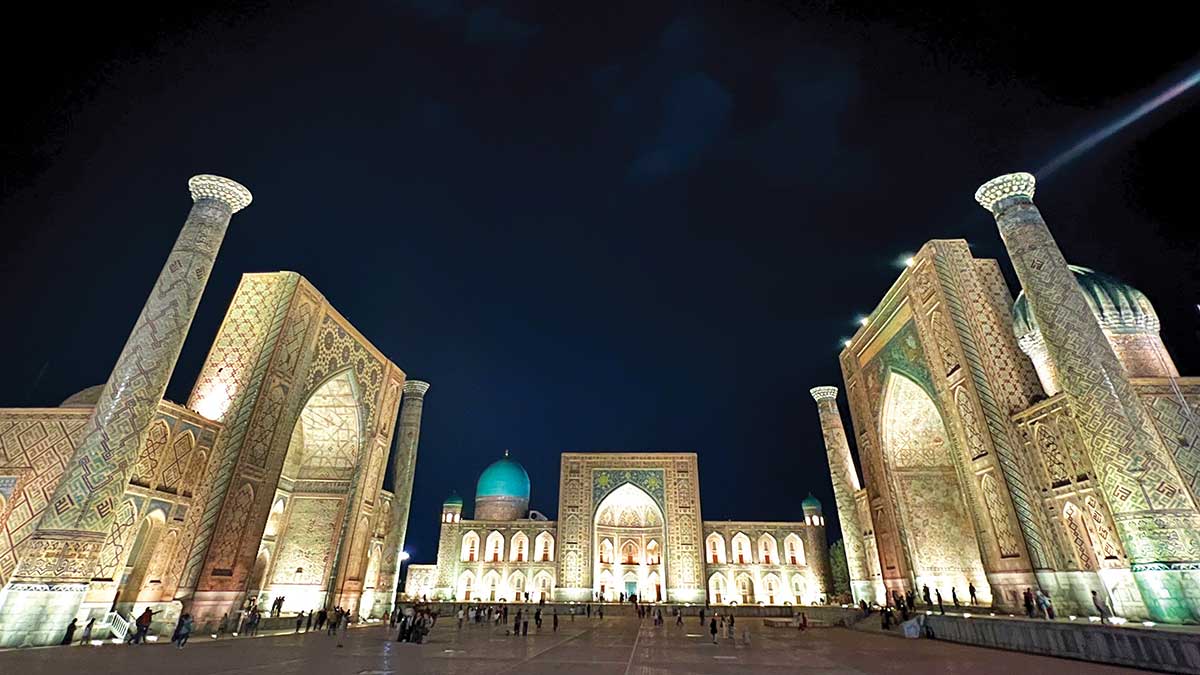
{"x":908,"y":262}
{"x":862,"y":320}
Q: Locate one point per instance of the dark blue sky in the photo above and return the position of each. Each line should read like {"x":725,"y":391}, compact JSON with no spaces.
{"x":640,"y":226}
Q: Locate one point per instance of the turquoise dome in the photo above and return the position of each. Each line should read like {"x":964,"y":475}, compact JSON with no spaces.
{"x":504,"y":478}
{"x":1119,"y":307}
{"x":811,"y":502}
{"x":453,"y":500}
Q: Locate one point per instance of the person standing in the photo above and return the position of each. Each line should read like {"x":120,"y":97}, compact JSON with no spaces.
{"x":460,"y":618}
{"x":556,"y":620}
{"x":223,"y":626}
{"x":184,"y":632}
{"x":941,"y":608}
{"x":1028,"y":596}
{"x":678,"y":617}
{"x":954,"y":596}
{"x":925,"y":595}
{"x":308,"y":621}
{"x":712,"y":628}
{"x":299,"y":620}
{"x":70,"y":634}
{"x":701,"y":616}
{"x":87,"y":631}
{"x":732,"y":634}
{"x":525,"y":625}
{"x":971,"y":590}
{"x":1102,"y":606}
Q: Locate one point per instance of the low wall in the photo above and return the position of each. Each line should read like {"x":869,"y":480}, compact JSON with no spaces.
{"x":824,"y":613}
{"x":1166,"y":650}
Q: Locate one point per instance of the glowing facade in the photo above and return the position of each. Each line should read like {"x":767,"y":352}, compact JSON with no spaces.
{"x":268,"y":483}
{"x":1048,"y":443}
{"x":628,"y":524}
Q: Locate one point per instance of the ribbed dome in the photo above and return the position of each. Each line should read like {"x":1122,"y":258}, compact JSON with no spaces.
{"x":1121,"y":308}
{"x":453,"y":500}
{"x":504,"y":478}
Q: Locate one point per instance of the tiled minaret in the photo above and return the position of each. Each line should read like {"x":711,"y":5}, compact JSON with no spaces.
{"x":58,"y":561}
{"x":845,"y":484}
{"x":404,"y":462}
{"x":1153,"y":508}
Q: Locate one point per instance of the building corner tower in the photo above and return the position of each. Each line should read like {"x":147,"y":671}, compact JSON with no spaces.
{"x":1152,"y":507}
{"x":404,"y":462}
{"x":57,"y":563}
{"x":845,"y":485}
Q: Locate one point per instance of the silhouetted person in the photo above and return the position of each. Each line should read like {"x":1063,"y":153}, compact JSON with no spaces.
{"x":941,"y":608}
{"x":971,"y":590}
{"x":954,"y":596}
{"x":1102,"y":607}
{"x":925,"y":595}
{"x":1028,"y":595}
{"x":308,"y":621}
{"x":87,"y":631}
{"x":712,"y":628}
{"x":184,"y":631}
{"x":555,"y":620}
{"x":299,"y":620}
{"x":70,"y":634}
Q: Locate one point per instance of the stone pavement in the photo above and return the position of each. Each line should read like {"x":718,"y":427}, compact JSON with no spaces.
{"x":615,"y":645}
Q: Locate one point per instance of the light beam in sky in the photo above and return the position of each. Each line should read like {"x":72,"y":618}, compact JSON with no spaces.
{"x":1120,"y":123}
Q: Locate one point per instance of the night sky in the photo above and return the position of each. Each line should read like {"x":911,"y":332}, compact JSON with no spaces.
{"x":591,"y":226}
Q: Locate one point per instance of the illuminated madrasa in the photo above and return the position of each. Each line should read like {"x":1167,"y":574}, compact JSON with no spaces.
{"x":629,"y":524}
{"x":1047,"y":443}
{"x":266,"y":484}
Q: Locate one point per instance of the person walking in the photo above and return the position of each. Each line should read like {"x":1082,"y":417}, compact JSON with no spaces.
{"x":308,"y":621}
{"x":223,"y":626}
{"x":184,"y":632}
{"x":460,"y":618}
{"x":712,"y":628}
{"x":556,"y":620}
{"x":678,"y":617}
{"x":1028,"y":596}
{"x":87,"y":631}
{"x":732,"y":631}
{"x":701,"y":616}
{"x":925,"y":595}
{"x":1102,"y":607}
{"x":299,"y":620}
{"x":525,"y":625}
{"x":941,"y":608}
{"x":971,"y":590}
{"x":143,"y":627}
{"x":70,"y":634}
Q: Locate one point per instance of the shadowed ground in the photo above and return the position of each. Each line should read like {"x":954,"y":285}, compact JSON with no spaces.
{"x":614,"y":645}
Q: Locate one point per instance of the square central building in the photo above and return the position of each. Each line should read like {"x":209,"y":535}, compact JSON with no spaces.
{"x":629,"y":526}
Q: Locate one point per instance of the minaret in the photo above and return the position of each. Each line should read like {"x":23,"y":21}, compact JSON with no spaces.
{"x":63,"y":552}
{"x":845,"y":484}
{"x":1150,"y":503}
{"x":404,"y":462}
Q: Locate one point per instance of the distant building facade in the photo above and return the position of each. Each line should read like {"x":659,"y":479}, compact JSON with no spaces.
{"x":629,"y":525}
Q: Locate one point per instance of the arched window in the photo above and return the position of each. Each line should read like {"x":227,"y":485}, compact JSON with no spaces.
{"x":545,"y":547}
{"x":794,"y":548}
{"x":470,"y":547}
{"x":745,"y":586}
{"x":716,"y":589}
{"x":768,"y":550}
{"x":799,"y":589}
{"x":716,"y":549}
{"x":771,"y":587}
{"x":741,"y":549}
{"x":466,"y":585}
{"x":495,"y":547}
{"x":606,"y":551}
{"x":629,"y":553}
{"x":545,"y":585}
{"x":653,"y":554}
{"x":519,"y":550}
{"x":517,"y":583}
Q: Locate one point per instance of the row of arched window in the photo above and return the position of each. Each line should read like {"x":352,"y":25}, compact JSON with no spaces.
{"x":630,"y":553}
{"x":518,"y":548}
{"x":766,"y":552}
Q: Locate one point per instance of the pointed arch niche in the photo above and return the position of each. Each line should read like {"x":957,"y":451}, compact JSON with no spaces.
{"x":938,"y":535}
{"x":630,"y":523}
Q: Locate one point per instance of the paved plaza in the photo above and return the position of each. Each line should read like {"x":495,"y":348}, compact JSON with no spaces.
{"x":614,"y":645}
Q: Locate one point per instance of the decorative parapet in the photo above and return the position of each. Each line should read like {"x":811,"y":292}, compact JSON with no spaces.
{"x":229,"y":192}
{"x":1009,"y":185}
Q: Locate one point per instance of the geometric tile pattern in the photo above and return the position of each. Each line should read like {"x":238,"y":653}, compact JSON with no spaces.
{"x":86,"y":498}
{"x":1154,"y":513}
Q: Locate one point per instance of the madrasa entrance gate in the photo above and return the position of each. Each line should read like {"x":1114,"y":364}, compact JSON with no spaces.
{"x":296,"y":507}
{"x":932,"y":382}
{"x":633,"y":500}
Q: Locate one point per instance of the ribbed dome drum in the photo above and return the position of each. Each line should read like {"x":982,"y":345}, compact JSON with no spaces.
{"x":1124,"y":313}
